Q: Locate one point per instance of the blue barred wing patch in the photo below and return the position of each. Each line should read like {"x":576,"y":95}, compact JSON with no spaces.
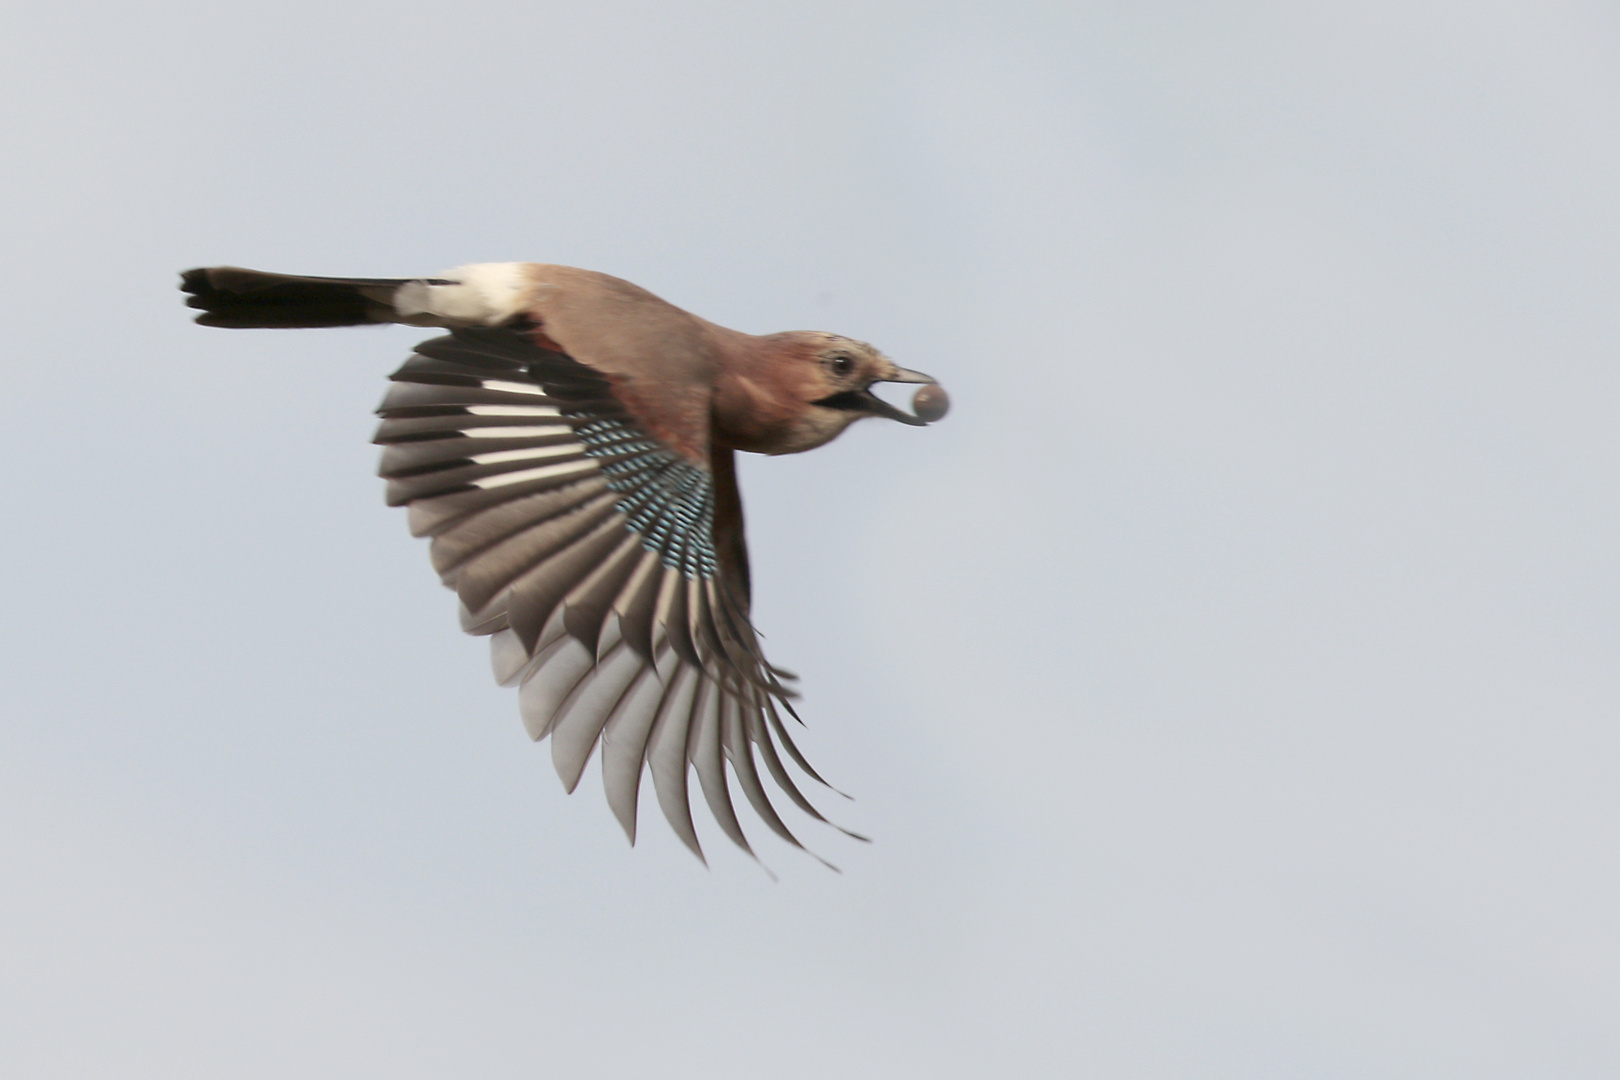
{"x":667,"y":499}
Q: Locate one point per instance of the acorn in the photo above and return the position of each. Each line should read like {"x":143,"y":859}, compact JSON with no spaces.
{"x":930,"y":402}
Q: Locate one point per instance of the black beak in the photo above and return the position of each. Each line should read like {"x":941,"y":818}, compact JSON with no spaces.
{"x":864,"y":401}
{"x":868,"y":403}
{"x":907,"y":375}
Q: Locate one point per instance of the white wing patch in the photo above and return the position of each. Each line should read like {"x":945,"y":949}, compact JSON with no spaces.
{"x":512,"y":410}
{"x":514,"y":432}
{"x":544,"y":471}
{"x":497,"y":456}
{"x":513,"y":387}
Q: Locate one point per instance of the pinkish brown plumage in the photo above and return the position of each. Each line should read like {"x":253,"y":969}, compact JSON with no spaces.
{"x":569,"y":449}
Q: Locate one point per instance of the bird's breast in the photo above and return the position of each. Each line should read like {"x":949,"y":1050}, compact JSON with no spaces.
{"x":749,"y":415}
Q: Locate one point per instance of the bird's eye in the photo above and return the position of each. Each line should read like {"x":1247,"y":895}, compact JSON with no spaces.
{"x":841,"y":365}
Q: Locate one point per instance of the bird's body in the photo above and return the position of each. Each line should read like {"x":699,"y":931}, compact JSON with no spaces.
{"x":569,"y":448}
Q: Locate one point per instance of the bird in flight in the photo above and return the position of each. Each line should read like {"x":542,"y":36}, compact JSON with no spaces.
{"x":570,"y":448}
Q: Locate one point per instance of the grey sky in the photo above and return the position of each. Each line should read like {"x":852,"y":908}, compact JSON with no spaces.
{"x":1229,"y":682}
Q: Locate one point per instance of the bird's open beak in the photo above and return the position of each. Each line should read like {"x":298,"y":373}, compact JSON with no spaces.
{"x":928,"y":404}
{"x":871,"y":403}
{"x":864,"y":401}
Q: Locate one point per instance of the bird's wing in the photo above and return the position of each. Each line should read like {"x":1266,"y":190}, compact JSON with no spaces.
{"x":608,"y":568}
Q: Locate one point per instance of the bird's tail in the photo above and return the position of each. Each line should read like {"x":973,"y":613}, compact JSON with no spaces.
{"x":231,"y":296}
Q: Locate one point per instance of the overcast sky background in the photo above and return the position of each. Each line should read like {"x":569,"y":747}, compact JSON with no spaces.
{"x":1229,"y":682}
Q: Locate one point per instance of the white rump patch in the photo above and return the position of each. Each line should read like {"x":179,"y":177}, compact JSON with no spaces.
{"x":485,"y":294}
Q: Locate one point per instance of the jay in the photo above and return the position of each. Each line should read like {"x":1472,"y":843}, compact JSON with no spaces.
{"x":570,"y":448}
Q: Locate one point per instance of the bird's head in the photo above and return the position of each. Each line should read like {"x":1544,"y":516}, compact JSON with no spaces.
{"x":822,"y":383}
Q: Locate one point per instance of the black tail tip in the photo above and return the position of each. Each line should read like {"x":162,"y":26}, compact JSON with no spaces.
{"x":231,"y":296}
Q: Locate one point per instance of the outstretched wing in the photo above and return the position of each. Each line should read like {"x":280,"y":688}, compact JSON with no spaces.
{"x":607,"y":567}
